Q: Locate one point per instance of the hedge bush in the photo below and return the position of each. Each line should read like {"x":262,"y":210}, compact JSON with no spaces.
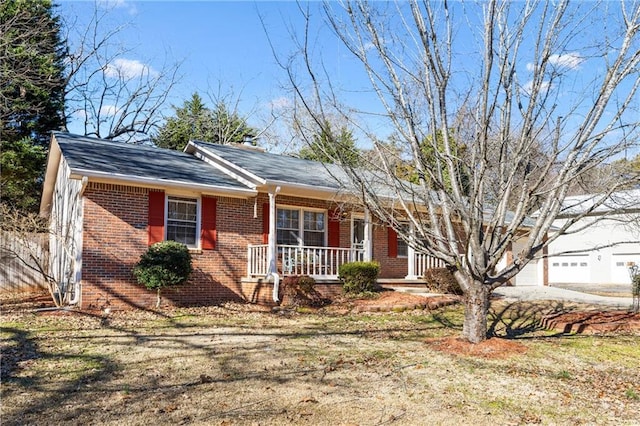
{"x":359,"y":277}
{"x":164,"y":264}
{"x":442,"y":280}
{"x":299,"y":290}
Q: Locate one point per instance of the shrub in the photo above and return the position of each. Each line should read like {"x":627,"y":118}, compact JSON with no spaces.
{"x":164,"y":264}
{"x":299,"y":290}
{"x":442,"y":280}
{"x":359,"y":277}
{"x":636,"y":285}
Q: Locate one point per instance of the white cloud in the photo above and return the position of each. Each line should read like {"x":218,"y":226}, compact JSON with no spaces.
{"x":128,"y":68}
{"x":109,"y":110}
{"x":528,"y":87}
{"x":569,"y":60}
{"x":81,"y":114}
{"x":280,"y":103}
{"x":119,"y":4}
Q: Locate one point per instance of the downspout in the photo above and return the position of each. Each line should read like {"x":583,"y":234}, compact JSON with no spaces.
{"x":272,"y":248}
{"x":78,"y":236}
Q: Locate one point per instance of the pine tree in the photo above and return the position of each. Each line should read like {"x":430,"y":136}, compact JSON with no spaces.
{"x":194,"y":121}
{"x":31,"y":96}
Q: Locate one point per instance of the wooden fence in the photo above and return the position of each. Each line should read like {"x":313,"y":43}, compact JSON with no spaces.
{"x":19,"y":259}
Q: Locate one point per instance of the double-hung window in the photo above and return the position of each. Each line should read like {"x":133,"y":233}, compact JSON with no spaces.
{"x":301,"y":227}
{"x":182,"y":220}
{"x":403,"y":247}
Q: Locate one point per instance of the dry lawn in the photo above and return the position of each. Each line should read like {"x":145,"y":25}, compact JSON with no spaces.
{"x":232,"y":365}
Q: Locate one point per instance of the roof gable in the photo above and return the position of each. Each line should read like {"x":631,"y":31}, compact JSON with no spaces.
{"x":276,"y":169}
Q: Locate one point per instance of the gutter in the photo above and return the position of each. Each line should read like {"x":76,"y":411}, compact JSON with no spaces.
{"x":163,"y":183}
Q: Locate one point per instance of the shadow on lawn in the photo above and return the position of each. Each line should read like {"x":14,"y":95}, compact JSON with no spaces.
{"x":514,"y":320}
{"x":20,"y":351}
{"x":67,"y":383}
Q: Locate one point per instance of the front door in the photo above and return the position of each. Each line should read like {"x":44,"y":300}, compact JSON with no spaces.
{"x":357,"y":237}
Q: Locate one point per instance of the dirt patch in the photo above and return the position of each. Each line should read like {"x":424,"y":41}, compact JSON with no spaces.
{"x":593,"y":322}
{"x":494,"y":348}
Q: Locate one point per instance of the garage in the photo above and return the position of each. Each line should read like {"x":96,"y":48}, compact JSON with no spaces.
{"x":569,"y":269}
{"x":620,"y":267}
{"x":528,"y":275}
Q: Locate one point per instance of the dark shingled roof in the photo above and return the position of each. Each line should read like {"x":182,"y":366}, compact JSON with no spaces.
{"x":281,"y":168}
{"x":99,"y":155}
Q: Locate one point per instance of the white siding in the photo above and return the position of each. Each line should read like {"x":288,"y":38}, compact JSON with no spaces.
{"x":65,"y":245}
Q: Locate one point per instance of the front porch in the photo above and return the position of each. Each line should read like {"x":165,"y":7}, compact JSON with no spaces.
{"x":323,"y":263}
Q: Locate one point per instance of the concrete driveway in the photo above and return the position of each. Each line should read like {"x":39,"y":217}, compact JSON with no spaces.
{"x":563,"y":294}
{"x":616,"y":290}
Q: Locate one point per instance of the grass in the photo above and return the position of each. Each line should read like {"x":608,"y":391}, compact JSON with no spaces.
{"x":228,"y":365}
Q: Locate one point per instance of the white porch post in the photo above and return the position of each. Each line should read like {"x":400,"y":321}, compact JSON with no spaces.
{"x":411,"y":256}
{"x":272,"y":250}
{"x":272,"y":255}
{"x":367,"y":241}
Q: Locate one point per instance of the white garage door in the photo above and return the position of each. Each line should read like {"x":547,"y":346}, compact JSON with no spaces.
{"x":620,"y":267}
{"x":529,"y":274}
{"x":569,"y":269}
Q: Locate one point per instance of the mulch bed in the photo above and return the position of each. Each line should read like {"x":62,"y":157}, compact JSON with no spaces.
{"x":494,"y":348}
{"x":593,"y":322}
{"x":391,"y":301}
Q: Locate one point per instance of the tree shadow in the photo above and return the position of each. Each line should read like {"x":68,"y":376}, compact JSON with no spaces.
{"x":517,"y":319}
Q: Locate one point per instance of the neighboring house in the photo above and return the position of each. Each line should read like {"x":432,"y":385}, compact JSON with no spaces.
{"x":248,"y":216}
{"x":602,"y":250}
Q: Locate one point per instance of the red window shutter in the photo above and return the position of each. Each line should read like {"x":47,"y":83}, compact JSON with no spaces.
{"x":333,"y":229}
{"x":156,"y":217}
{"x":265,"y":223}
{"x":208,"y":235}
{"x":392,"y":242}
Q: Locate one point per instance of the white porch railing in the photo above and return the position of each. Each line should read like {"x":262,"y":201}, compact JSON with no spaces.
{"x":299,"y":260}
{"x":423,"y":262}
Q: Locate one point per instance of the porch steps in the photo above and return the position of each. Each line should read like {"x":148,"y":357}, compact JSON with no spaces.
{"x":415,"y":290}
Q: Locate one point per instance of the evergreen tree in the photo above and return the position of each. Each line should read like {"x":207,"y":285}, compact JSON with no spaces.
{"x":331,"y":147}
{"x":32,"y":90}
{"x":194,"y":121}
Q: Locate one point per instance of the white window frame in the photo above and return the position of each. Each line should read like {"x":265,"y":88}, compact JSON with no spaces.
{"x":301,"y":211}
{"x":198,"y":217}
{"x":400,"y":240}
{"x":354,"y":217}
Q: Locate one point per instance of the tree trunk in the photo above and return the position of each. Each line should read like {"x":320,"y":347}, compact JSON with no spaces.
{"x":158,"y":298}
{"x":476,"y":309}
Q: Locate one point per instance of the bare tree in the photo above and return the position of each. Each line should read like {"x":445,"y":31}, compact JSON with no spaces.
{"x":116,"y":97}
{"x":24,"y":238}
{"x":503,"y":78}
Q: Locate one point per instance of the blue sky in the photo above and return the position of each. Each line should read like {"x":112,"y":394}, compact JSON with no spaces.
{"x":224,"y":49}
{"x":222,"y":46}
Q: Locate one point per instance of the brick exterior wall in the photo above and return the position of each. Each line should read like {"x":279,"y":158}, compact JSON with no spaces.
{"x":390,"y":267}
{"x":115,"y":236}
